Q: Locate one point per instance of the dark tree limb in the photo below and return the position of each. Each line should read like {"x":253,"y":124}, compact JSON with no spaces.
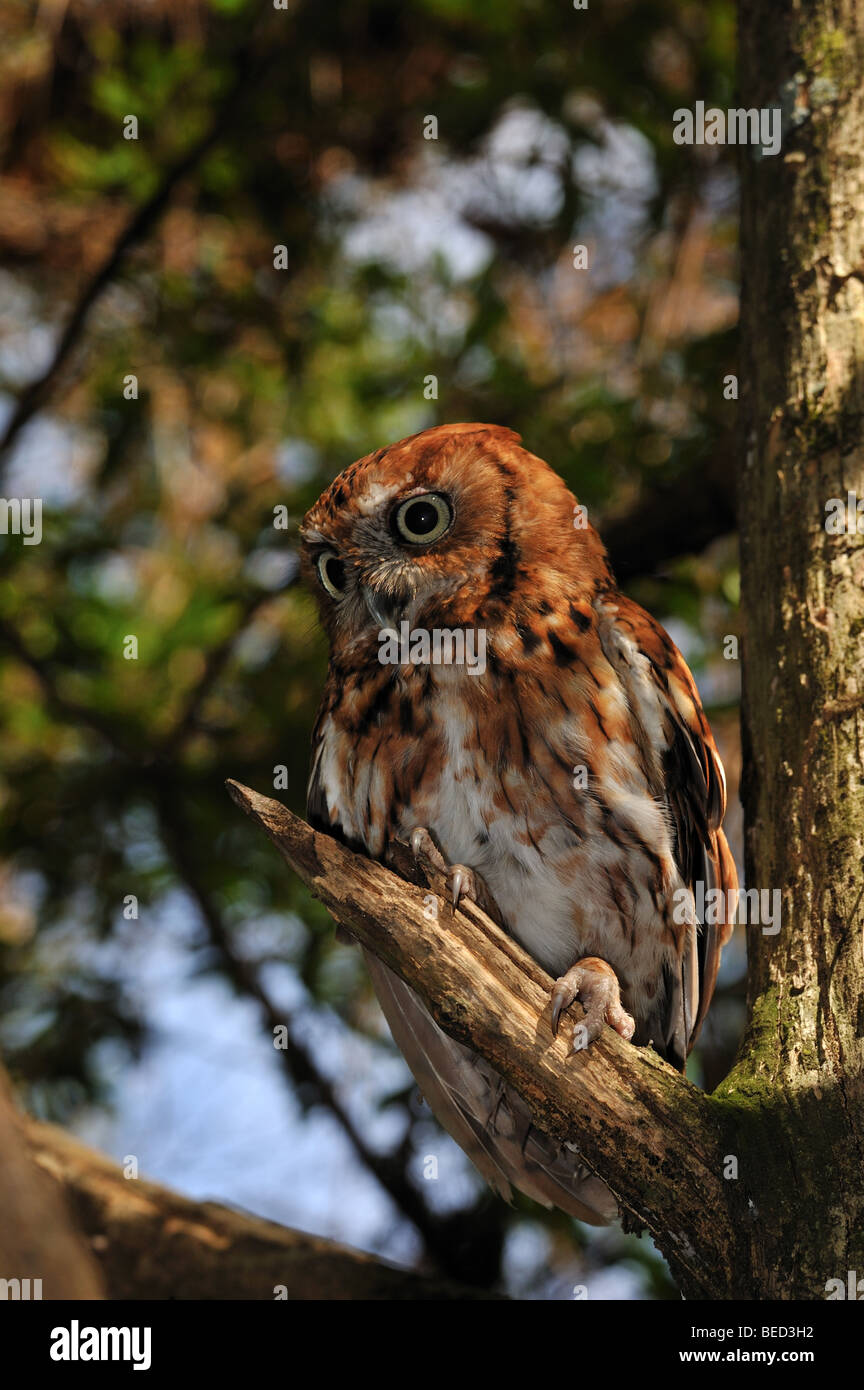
{"x":151,"y":1243}
{"x":36,"y":394}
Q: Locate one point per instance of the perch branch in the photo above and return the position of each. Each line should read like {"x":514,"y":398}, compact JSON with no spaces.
{"x":651,"y":1135}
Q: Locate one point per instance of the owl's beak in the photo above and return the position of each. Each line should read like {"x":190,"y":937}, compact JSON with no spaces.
{"x":385,"y":609}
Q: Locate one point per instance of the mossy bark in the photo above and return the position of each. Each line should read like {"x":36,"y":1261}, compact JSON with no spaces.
{"x":795,"y":1100}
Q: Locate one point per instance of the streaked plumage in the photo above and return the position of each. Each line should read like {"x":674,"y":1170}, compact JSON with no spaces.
{"x":576,"y":775}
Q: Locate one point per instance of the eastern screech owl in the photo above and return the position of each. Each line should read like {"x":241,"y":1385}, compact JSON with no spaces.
{"x":570,"y":774}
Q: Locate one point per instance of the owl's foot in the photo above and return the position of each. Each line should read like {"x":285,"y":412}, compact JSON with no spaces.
{"x":462,"y":882}
{"x":595,"y":985}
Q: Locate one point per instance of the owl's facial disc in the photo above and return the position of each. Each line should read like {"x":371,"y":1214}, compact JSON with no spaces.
{"x":381,"y":554}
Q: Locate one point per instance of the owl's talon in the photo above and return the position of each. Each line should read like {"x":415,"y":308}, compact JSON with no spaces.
{"x":594,"y":983}
{"x":460,"y":880}
{"x":562,"y":998}
{"x":461,"y":884}
{"x":425,"y":848}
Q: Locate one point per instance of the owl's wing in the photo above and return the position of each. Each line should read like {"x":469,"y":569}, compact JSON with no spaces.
{"x":658,"y":682}
{"x":487,"y":1118}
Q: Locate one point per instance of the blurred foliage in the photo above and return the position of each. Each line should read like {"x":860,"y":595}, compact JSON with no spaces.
{"x":405,"y":258}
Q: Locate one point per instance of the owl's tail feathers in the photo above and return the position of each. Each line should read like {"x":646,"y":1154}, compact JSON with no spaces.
{"x":488,"y":1119}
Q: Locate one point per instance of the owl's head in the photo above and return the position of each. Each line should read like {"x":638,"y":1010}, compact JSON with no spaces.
{"x":450,"y":527}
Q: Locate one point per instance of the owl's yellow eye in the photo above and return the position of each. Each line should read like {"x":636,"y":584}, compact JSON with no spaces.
{"x":423,"y":519}
{"x":331,"y":572}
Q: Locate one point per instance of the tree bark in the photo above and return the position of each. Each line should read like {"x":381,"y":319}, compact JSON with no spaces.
{"x":797,"y":1088}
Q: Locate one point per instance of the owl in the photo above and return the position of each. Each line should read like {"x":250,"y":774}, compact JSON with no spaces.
{"x":495,"y":701}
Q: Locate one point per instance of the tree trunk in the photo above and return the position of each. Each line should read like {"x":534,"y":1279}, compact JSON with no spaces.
{"x":797,"y":1090}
